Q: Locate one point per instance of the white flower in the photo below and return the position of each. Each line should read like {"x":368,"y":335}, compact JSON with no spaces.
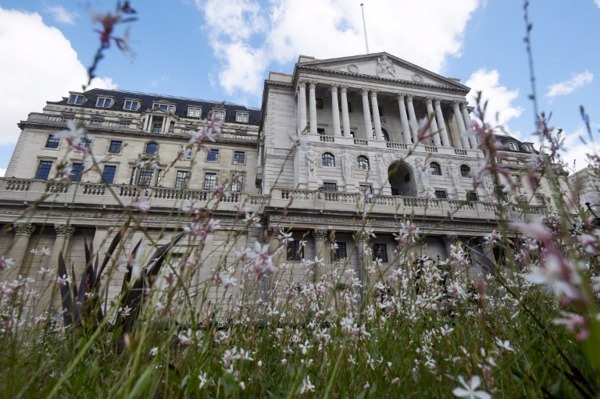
{"x":154,"y":351}
{"x":505,"y":345}
{"x":469,"y":390}
{"x":6,"y":263}
{"x":307,"y":386}
{"x":203,"y":380}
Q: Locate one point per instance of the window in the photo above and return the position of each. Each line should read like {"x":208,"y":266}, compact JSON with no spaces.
{"x":380,"y":252}
{"x":440,"y":194}
{"x":108,"y":174}
{"x":115,"y":146}
{"x":385,"y":134}
{"x":512,"y":145}
{"x":319,"y":102}
{"x":145,"y":177}
{"x":362,"y":162}
{"x":328,"y":159}
{"x":76,"y":171}
{"x":218,"y":114}
{"x":321,"y":130}
{"x":85,"y":142}
{"x":151,"y":148}
{"x":181,"y":179}
{"x":242,"y":117}
{"x":239,"y":157}
{"x":210,"y":180}
{"x":540,"y":200}
{"x":330,"y":186}
{"x":339,"y":251}
{"x":237,"y":182}
{"x":164,"y":107}
{"x":212,"y":155}
{"x":187,"y":152}
{"x":52,"y":142}
{"x":465,"y":171}
{"x":75,"y":99}
{"x":295,"y":251}
{"x":194,"y":112}
{"x":330,"y":189}
{"x":43,"y":170}
{"x":435,"y":169}
{"x":131,"y":105}
{"x":104,"y":102}
{"x":472,"y":196}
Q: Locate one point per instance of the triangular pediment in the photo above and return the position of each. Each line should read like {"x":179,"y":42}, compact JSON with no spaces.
{"x":383,"y":66}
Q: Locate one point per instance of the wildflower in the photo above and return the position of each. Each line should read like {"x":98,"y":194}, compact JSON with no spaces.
{"x":203,"y":380}
{"x":6,"y":263}
{"x":307,"y":386}
{"x":445,"y":330}
{"x":469,"y":390}
{"x":185,"y":338}
{"x":262,"y":259}
{"x":504,"y":345}
{"x":154,"y":351}
{"x":575,"y":324}
{"x":64,"y":280}
{"x":124,"y":311}
{"x":44,"y":272}
{"x":284,"y":237}
{"x":225,"y":279}
{"x":76,"y":137}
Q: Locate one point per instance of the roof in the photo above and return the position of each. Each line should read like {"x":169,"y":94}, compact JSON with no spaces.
{"x":147,"y":99}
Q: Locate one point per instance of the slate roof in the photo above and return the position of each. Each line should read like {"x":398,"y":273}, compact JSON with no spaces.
{"x":146,"y":101}
{"x":505,"y":139}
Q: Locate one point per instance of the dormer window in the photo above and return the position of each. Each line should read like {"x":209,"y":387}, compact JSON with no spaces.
{"x":512,"y":145}
{"x":131,"y":105}
{"x":242,"y":117}
{"x":75,"y":99}
{"x":219,"y":114}
{"x":165,"y":107}
{"x":104,"y":102}
{"x":194,"y":112}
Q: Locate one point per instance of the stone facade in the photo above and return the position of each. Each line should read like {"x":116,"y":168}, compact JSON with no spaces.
{"x":378,"y":135}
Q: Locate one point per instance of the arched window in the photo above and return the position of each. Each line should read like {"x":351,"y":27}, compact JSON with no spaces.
{"x":465,"y":171}
{"x":151,"y":148}
{"x":435,"y":168}
{"x":362,"y":162}
{"x":386,"y":135}
{"x":328,"y":159}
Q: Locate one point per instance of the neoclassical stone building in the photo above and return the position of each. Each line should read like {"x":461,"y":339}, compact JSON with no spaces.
{"x":334,"y":140}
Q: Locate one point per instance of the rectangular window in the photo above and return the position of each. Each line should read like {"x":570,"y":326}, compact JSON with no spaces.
{"x":181,"y":179}
{"x":237,"y":182}
{"x":295,"y":251}
{"x":380,"y":252}
{"x":210,"y":180}
{"x":115,"y":146}
{"x":540,"y":200}
{"x":75,"y":99}
{"x":145,"y":177}
{"x":218,"y":114}
{"x":440,"y":194}
{"x":239,"y":157}
{"x":131,"y":105}
{"x":319,"y":103}
{"x":43,"y":170}
{"x":164,"y":107}
{"x":76,"y":171}
{"x":339,"y":251}
{"x":242,"y":117}
{"x":330,"y":186}
{"x":104,"y":102}
{"x":52,"y":142}
{"x":212,"y":155}
{"x":321,"y":130}
{"x":367,"y":192}
{"x":194,"y":112}
{"x":108,"y":174}
{"x":472,"y":196}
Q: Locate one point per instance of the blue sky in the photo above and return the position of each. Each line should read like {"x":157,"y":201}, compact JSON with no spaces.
{"x":223,"y":49}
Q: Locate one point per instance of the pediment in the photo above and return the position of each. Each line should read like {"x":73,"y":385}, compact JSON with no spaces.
{"x":384,"y":66}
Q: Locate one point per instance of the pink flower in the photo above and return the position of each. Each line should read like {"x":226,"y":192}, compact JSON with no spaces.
{"x":575,"y":324}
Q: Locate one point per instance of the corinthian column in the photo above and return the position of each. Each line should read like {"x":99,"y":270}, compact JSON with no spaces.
{"x":312,"y":104}
{"x":468,"y":124}
{"x":412,"y":119}
{"x":18,"y":250}
{"x":440,"y":120}
{"x":335,"y":110}
{"x":461,"y":125}
{"x":367,"y":114}
{"x":301,"y":106}
{"x":345,"y":114}
{"x":404,"y":119}
{"x":434,"y":127}
{"x":321,"y":252}
{"x":376,"y":118}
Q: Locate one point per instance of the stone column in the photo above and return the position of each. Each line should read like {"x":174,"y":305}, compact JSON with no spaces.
{"x":412,"y":119}
{"x":404,"y":119}
{"x":440,"y":121}
{"x":335,"y":110}
{"x":367,"y":114}
{"x":320,"y":250}
{"x":461,"y":125}
{"x":51,"y":295}
{"x":301,"y":106}
{"x":468,"y":124}
{"x":23,"y":232}
{"x":376,"y":118}
{"x":345,"y":113}
{"x":434,"y":127}
{"x":312,"y":107}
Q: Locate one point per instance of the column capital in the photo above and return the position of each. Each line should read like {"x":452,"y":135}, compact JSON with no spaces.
{"x":302,"y":83}
{"x":334,"y":87}
{"x":365,"y":91}
{"x":409,"y":98}
{"x":64,"y":230}
{"x":320,"y":234}
{"x":23,"y":229}
{"x":429,"y":99}
{"x":400,"y":95}
{"x":437,"y":101}
{"x":373,"y":92}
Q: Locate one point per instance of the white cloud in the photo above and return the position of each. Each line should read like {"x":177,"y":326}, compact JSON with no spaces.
{"x":597,"y":3}
{"x":569,"y":86}
{"x":37,"y":64}
{"x":61,"y":15}
{"x":2,"y":172}
{"x":248,"y":36}
{"x":500,"y":107}
{"x":576,"y":152}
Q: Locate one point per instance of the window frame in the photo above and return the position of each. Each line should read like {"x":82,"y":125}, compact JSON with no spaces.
{"x":242,"y":117}
{"x":76,"y":171}
{"x":472,"y":196}
{"x":294,"y":251}
{"x":110,"y":149}
{"x":210,"y":181}
{"x":105,"y":173}
{"x":53,"y":140}
{"x":153,"y":143}
{"x":443,"y":194}
{"x":170,"y":108}
{"x":76,"y":99}
{"x":361,"y":161}
{"x":131,"y":105}
{"x":435,"y":169}
{"x":328,"y":160}
{"x":340,"y":252}
{"x":380,"y":248}
{"x":465,"y":171}
{"x":235,"y":158}
{"x":101,"y":102}
{"x":212,"y":151}
{"x":194,"y":112}
{"x":44,"y":169}
{"x":217,"y":112}
{"x":181,"y":178}
{"x":237,"y":185}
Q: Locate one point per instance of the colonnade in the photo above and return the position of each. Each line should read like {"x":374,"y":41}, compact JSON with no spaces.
{"x":372,"y":121}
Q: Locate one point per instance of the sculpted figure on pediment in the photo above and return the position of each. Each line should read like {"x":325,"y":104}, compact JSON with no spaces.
{"x":385,"y":67}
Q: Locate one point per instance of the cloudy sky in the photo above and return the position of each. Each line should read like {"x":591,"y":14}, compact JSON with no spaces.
{"x":223,"y":50}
